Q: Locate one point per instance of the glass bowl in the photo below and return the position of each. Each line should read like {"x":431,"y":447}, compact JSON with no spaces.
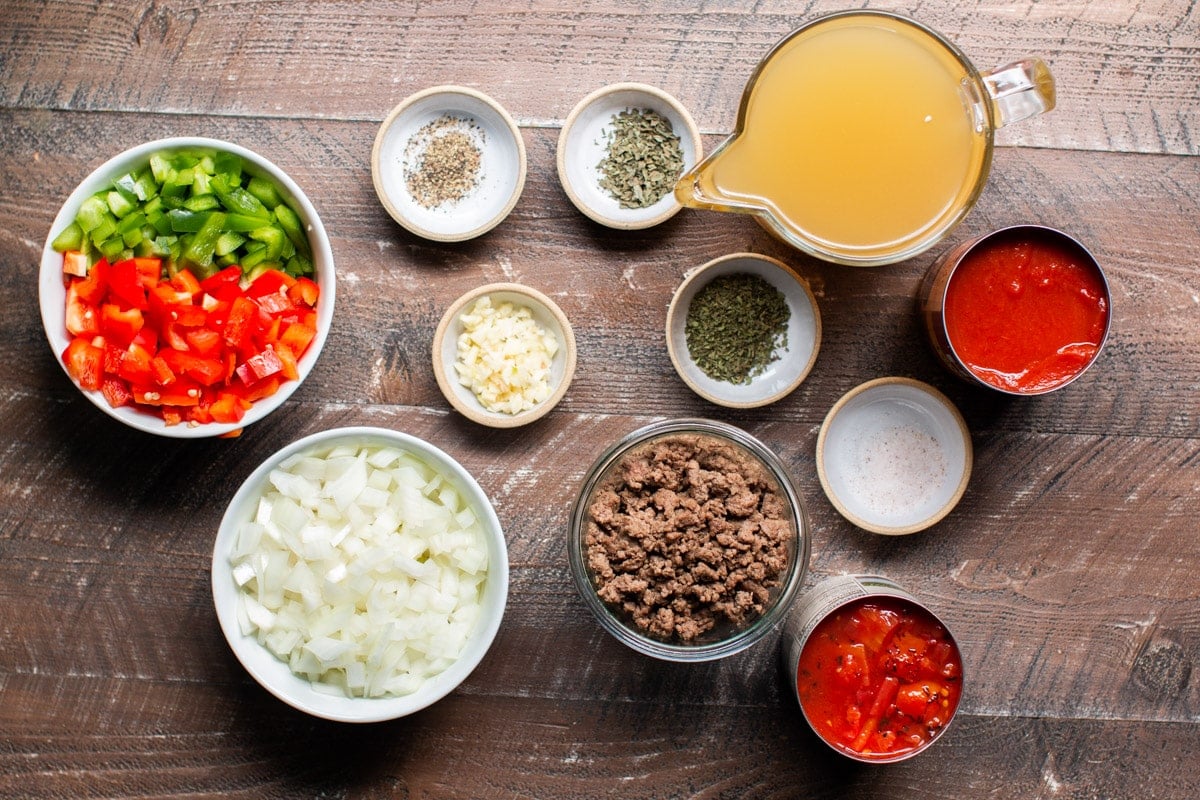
{"x":729,"y":633}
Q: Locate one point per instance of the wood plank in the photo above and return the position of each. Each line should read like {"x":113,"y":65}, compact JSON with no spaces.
{"x":1127,"y":82}
{"x":470,"y":746}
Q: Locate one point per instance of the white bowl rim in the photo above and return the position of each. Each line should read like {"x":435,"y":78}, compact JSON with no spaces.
{"x":505,"y":121}
{"x":269,"y":671}
{"x":50,"y":282}
{"x":941,"y":402}
{"x":667,"y":206}
{"x":460,"y":397}
{"x":795,"y":289}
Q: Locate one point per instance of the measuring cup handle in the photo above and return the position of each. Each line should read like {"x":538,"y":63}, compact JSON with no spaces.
{"x":1019,"y":90}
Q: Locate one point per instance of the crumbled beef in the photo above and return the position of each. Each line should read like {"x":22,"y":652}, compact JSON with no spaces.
{"x":687,"y":533}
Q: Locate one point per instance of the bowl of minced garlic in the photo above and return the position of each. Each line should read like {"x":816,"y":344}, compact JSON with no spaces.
{"x":504,"y":355}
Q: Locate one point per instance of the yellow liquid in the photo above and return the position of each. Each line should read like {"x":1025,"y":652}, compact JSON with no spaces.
{"x":857,"y":136}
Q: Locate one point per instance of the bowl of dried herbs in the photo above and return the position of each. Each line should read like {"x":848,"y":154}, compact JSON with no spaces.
{"x":743,"y":330}
{"x":621,"y":152}
{"x":448,"y":163}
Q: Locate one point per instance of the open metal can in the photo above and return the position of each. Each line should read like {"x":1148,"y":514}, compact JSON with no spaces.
{"x":1023,"y":310}
{"x":877,"y":675}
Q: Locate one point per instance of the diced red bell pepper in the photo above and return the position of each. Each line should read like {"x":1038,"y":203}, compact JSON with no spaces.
{"x":241,"y":323}
{"x":85,"y":363}
{"x":228,"y":407}
{"x":296,"y":338}
{"x":223,"y":284}
{"x":93,"y":288}
{"x":116,"y":391}
{"x":270,"y":282}
{"x":257,"y":391}
{"x":206,"y":371}
{"x":125,"y":284}
{"x":204,"y":341}
{"x":149,"y":271}
{"x":185,"y":281}
{"x":120,"y":325}
{"x":274,"y":303}
{"x":81,"y":316}
{"x":135,"y":365}
{"x":304,"y":291}
{"x":260,"y":365}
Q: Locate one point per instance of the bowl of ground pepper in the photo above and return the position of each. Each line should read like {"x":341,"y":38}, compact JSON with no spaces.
{"x":688,"y":540}
{"x":621,"y":152}
{"x":743,"y":330}
{"x":448,"y":163}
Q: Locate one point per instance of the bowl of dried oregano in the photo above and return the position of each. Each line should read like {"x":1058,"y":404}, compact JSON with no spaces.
{"x":621,"y":151}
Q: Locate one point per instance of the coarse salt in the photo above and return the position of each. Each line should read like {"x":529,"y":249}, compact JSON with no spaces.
{"x":504,"y":356}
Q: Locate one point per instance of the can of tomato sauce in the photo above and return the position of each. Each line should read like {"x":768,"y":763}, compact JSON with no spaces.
{"x":1024,"y":310}
{"x":877,"y":675}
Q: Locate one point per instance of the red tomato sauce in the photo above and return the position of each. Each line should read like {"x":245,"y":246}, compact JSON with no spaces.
{"x":879,"y":678}
{"x":1026,"y":315}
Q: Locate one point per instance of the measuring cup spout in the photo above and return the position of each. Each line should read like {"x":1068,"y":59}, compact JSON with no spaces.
{"x":697,"y":188}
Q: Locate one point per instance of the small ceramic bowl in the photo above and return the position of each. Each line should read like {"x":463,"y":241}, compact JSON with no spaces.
{"x":52,"y":291}
{"x":793,"y":362}
{"x":403,"y":141}
{"x":583,"y":144}
{"x":544,"y":312}
{"x":330,"y":702}
{"x":894,"y":456}
{"x":717,"y":444}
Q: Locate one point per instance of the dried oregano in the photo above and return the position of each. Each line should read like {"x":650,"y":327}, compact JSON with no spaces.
{"x":643,"y":158}
{"x":735,"y":327}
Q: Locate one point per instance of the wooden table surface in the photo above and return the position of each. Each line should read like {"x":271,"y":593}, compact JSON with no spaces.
{"x":1068,"y":571}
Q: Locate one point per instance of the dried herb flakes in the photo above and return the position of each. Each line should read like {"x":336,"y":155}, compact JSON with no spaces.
{"x":735,"y":327}
{"x":643,"y":158}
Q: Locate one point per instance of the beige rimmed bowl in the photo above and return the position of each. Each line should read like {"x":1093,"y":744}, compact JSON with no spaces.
{"x":894,"y":456}
{"x":582,"y":145}
{"x":501,"y":173}
{"x":545,"y":313}
{"x":794,"y":361}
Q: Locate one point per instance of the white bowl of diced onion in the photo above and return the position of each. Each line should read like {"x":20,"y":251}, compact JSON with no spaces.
{"x":360,"y":574}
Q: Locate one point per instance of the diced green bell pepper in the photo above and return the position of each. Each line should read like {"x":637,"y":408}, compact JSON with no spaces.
{"x":69,"y":238}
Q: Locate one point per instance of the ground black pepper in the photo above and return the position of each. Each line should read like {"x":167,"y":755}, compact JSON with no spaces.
{"x":443,"y":160}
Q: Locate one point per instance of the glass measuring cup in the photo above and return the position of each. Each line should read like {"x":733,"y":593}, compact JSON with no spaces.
{"x":863,"y":137}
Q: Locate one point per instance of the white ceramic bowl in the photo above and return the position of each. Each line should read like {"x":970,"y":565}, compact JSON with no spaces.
{"x":52,"y":293}
{"x":501,"y":173}
{"x":544,"y":311}
{"x":273,"y":674}
{"x":582,"y":145}
{"x":781,"y":376}
{"x":894,"y":456}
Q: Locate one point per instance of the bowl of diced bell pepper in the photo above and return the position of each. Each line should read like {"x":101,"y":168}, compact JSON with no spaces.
{"x":187,"y":287}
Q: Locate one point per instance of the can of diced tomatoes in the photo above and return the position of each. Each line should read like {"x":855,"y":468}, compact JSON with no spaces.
{"x":877,"y":675}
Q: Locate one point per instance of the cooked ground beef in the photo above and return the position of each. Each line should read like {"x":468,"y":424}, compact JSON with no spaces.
{"x":687,"y":532}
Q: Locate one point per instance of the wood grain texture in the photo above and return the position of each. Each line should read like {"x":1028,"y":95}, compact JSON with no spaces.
{"x":1067,"y":572}
{"x":1128,"y":73}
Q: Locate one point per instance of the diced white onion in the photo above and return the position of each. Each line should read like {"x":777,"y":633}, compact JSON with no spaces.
{"x":362,"y":568}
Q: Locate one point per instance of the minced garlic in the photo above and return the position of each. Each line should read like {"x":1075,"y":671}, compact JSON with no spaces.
{"x":504,"y":356}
